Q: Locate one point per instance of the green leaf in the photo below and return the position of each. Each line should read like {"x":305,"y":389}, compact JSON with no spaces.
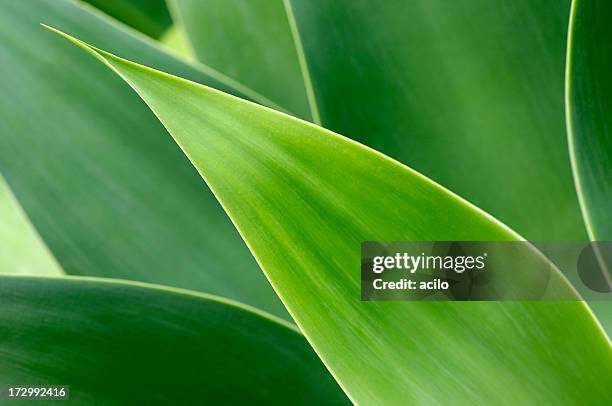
{"x":118,"y":343}
{"x":304,"y":198}
{"x":151,"y":17}
{"x":469,"y":93}
{"x":589,"y":104}
{"x":21,"y":249}
{"x":589,"y":123}
{"x":250,"y":41}
{"x":103,"y":184}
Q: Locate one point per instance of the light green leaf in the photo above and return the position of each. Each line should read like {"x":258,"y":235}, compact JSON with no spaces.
{"x":151,"y":17}
{"x":303,"y":198}
{"x":250,"y":41}
{"x":469,"y":93}
{"x":118,"y":343}
{"x":21,"y":249}
{"x":101,"y":181}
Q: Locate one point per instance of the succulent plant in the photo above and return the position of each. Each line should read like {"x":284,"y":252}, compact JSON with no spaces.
{"x":181,"y":222}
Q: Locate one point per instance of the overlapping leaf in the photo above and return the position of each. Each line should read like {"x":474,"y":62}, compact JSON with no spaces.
{"x":124,"y":344}
{"x":589,"y":122}
{"x":589,"y":92}
{"x":303,"y":199}
{"x":96,"y":173}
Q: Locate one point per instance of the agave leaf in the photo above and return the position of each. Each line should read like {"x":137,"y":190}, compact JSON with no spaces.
{"x":127,"y":343}
{"x":470,"y":93}
{"x":589,"y":124}
{"x":151,"y":17}
{"x":21,"y":249}
{"x":250,"y":41}
{"x":303,"y":198}
{"x":589,"y":104}
{"x":96,"y":173}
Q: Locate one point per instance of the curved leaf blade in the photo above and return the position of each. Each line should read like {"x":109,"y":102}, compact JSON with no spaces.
{"x":313,"y":196}
{"x":125,"y":343}
{"x":105,"y":187}
{"x":589,"y":104}
{"x":589,"y":124}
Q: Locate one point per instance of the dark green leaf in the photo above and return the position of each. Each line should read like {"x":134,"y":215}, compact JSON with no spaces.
{"x":589,"y":122}
{"x":150,"y":17}
{"x":589,"y":98}
{"x":128,"y":344}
